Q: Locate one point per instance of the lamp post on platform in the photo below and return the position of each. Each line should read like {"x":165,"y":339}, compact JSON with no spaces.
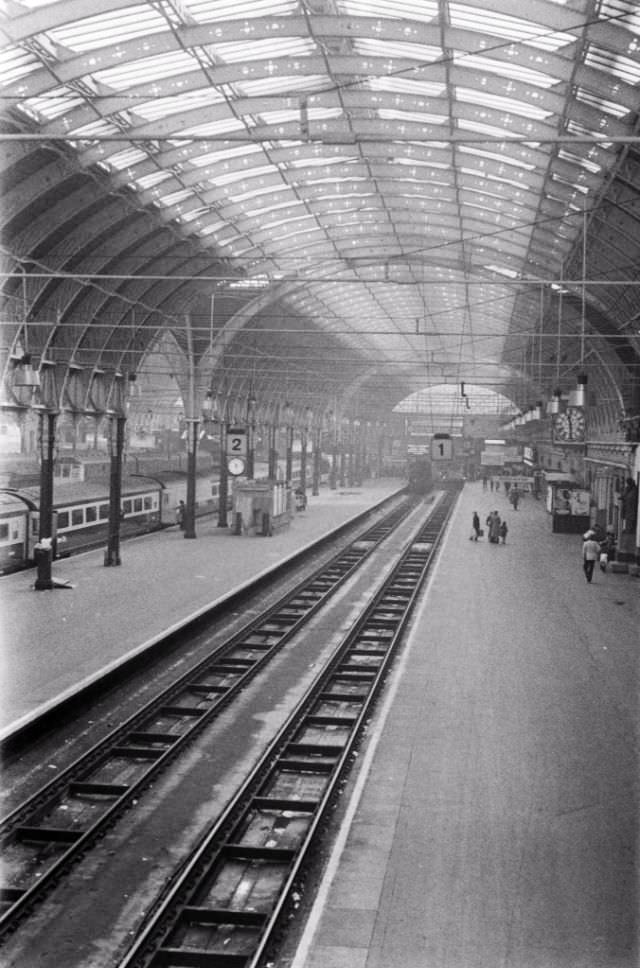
{"x":47,"y":418}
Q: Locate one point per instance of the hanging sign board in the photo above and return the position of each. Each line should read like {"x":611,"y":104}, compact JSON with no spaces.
{"x":441,"y":447}
{"x":237,"y":442}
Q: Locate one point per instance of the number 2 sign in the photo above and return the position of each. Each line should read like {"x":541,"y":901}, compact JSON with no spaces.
{"x":236,"y":442}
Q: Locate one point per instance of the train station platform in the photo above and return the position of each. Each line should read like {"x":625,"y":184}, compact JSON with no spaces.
{"x":58,"y":641}
{"x":493,"y":817}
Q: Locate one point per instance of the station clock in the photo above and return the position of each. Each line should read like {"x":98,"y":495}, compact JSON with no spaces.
{"x":235,"y":466}
{"x":570,"y":425}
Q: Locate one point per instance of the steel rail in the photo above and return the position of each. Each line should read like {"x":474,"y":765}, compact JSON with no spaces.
{"x":228,"y":904}
{"x":43,"y":836}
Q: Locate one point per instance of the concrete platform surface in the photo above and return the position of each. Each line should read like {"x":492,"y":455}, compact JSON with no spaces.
{"x":56,"y":641}
{"x":493,"y":821}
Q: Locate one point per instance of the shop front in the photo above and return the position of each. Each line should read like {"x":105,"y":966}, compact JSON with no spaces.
{"x":568,"y":503}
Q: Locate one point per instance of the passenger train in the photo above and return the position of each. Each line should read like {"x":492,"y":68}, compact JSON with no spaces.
{"x":81,"y":513}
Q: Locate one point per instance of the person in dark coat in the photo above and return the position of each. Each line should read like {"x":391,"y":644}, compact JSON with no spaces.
{"x":493,"y":523}
{"x":475,"y":525}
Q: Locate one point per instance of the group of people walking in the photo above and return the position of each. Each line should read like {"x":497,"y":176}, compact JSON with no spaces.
{"x":497,"y":529}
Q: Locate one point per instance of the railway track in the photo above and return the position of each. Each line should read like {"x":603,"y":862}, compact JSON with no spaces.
{"x":43,"y":836}
{"x":227,"y":907}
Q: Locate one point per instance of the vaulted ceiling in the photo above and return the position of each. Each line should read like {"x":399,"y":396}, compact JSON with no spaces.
{"x":336,"y":202}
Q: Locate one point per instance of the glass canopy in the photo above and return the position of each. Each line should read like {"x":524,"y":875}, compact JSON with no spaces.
{"x":406,"y":173}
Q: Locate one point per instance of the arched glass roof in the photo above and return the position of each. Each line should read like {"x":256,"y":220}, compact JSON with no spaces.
{"x":406,"y":173}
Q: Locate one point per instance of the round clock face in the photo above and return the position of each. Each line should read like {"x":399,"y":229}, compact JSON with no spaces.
{"x":235,"y":466}
{"x":570,"y":424}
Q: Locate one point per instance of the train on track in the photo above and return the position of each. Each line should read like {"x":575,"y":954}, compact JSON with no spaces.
{"x":419,"y":475}
{"x":81,"y":513}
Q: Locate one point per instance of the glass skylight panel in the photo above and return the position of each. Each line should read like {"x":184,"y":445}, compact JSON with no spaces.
{"x":100,"y":127}
{"x":607,"y":107}
{"x":174,"y":198}
{"x":509,"y":69}
{"x":238,"y":51}
{"x":240,"y":194}
{"x":34,"y":4}
{"x":126,"y":159}
{"x":161,"y":108}
{"x":145,"y":71}
{"x":295,"y":162}
{"x":214,"y":129}
{"x":109,"y":28}
{"x":424,"y":10}
{"x":433,"y":119}
{"x":627,"y":8}
{"x":620,"y":66}
{"x":278,"y":84}
{"x":496,"y":103}
{"x":15,"y":64}
{"x":422,"y":54}
{"x":578,"y":130}
{"x":500,"y":159}
{"x":53,"y":104}
{"x":265,"y":209}
{"x":155,"y":178}
{"x":225,"y":154}
{"x":210,"y":10}
{"x":590,"y":166}
{"x":407,"y":85}
{"x":314,"y":114}
{"x":486,"y":21}
{"x":491,"y":131}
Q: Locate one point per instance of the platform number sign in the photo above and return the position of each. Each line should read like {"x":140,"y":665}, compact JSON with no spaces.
{"x":441,"y":447}
{"x":236,"y":442}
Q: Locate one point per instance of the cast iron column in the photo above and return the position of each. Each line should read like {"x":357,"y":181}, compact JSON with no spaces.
{"x":223,"y":487}
{"x":289,"y":455}
{"x":45,"y":530}
{"x":273,"y":454}
{"x":317,"y":433}
{"x":112,"y":554}
{"x":192,"y":449}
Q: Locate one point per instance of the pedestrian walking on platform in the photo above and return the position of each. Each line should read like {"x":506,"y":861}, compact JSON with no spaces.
{"x":504,"y":530}
{"x":180,"y":515}
{"x":493,"y":524}
{"x":607,"y":549}
{"x":475,"y":527}
{"x":590,"y":554}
